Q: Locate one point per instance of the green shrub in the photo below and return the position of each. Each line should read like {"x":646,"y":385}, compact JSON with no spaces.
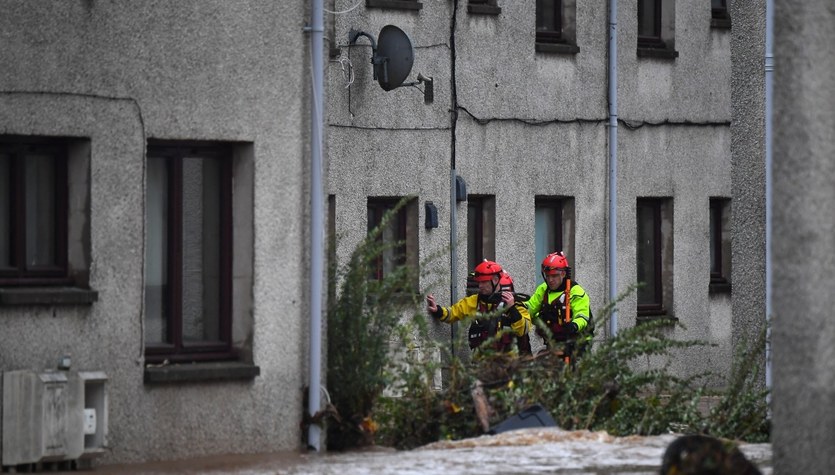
{"x":360,"y":320}
{"x":603,"y":391}
{"x":742,"y":411}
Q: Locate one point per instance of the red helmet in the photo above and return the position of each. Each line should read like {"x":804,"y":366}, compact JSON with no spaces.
{"x":486,"y":270}
{"x":554,"y":262}
{"x":505,"y":281}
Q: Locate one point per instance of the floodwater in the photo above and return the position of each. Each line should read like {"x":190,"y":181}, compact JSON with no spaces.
{"x":525,"y":451}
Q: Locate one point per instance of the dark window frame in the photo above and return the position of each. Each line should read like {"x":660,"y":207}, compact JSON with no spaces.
{"x":484,"y":7}
{"x":394,"y":4}
{"x":556,"y":204}
{"x":720,"y":17}
{"x":719,"y":9}
{"x":720,"y":279}
{"x":175,"y":350}
{"x":716,"y":274}
{"x":564,"y":233}
{"x":476,"y":205}
{"x":557,"y":35}
{"x":655,"y":40}
{"x":481,"y":233}
{"x":17,"y":274}
{"x":484,"y":207}
{"x":546,"y":35}
{"x":377,"y":207}
{"x":656,"y":307}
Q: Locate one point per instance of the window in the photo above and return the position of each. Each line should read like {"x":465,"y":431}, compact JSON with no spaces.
{"x":331,"y":263}
{"x":719,"y":8}
{"x":719,"y":14}
{"x":487,"y":7}
{"x":555,"y":26}
{"x":654,"y":256}
{"x":554,"y":228}
{"x":656,"y":25}
{"x":481,"y":229}
{"x":188,"y":253}
{"x":649,"y":24}
{"x":33,"y":211}
{"x":481,"y":233}
{"x":720,"y":243}
{"x":394,"y":4}
{"x":399,"y":235}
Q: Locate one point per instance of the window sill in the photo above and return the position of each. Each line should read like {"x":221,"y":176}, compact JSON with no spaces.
{"x":394,"y":4}
{"x":47,"y":296}
{"x":646,"y":318}
{"x":659,"y":53}
{"x":200,"y":372}
{"x":484,"y":9}
{"x":558,"y":48}
{"x":720,"y":23}
{"x":719,"y":288}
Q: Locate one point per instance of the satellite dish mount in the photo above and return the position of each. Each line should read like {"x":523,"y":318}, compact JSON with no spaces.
{"x":392,"y":57}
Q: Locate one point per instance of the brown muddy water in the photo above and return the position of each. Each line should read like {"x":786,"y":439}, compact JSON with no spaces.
{"x":526,"y":451}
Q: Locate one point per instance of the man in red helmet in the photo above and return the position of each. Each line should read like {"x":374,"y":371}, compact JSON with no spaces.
{"x":491,"y":298}
{"x":569,"y":320}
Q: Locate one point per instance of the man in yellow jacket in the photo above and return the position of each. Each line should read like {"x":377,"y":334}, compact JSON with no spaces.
{"x":490,"y":299}
{"x":568,"y":319}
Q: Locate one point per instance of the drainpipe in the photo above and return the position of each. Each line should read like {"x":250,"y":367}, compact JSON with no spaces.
{"x":613,"y":163}
{"x":317,"y":235}
{"x":453,"y":202}
{"x":769,"y":87}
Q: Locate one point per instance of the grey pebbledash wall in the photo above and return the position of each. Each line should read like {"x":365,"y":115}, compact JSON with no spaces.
{"x":115,"y":75}
{"x":518,"y":123}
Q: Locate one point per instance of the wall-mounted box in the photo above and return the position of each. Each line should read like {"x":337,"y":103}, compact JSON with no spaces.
{"x":95,"y":410}
{"x":44,"y":416}
{"x":41,"y":417}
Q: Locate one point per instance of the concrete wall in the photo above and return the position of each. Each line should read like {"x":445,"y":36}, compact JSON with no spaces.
{"x":119,"y":73}
{"x":517,"y":123}
{"x":803,"y":230}
{"x":748,"y":177}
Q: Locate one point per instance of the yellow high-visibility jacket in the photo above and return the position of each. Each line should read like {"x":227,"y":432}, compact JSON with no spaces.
{"x":471,"y":307}
{"x":579,"y":301}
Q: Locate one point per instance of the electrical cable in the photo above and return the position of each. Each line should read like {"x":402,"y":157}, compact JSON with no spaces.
{"x":343,"y":11}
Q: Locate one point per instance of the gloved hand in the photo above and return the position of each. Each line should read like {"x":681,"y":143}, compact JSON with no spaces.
{"x":432,"y":307}
{"x":494,"y":298}
{"x":572,"y":328}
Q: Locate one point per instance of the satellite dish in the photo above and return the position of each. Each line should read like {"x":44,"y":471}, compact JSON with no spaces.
{"x":394,"y":57}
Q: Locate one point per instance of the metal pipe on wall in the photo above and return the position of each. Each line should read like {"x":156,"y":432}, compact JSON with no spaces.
{"x":317,"y":234}
{"x":613,"y":162}
{"x":453,"y":218}
{"x":769,"y":90}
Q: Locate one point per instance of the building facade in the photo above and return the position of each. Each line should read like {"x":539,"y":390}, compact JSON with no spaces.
{"x":153,"y":161}
{"x":154,"y":198}
{"x":514,"y":151}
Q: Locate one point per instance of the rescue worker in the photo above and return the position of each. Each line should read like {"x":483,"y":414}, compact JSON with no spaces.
{"x":491,"y":298}
{"x":523,"y":343}
{"x":569,"y":321}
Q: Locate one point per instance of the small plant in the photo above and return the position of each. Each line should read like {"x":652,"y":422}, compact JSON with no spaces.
{"x":742,"y":411}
